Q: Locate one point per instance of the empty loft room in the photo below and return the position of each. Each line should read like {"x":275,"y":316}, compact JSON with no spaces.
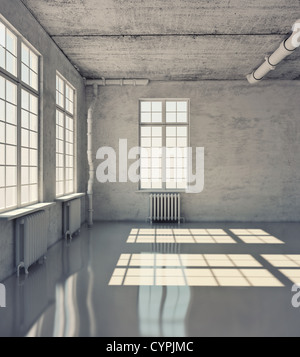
{"x":149,"y":168}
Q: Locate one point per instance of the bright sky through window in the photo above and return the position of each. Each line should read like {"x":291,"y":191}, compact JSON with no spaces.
{"x":65,"y":131}
{"x":19,"y":121}
{"x":164,"y":124}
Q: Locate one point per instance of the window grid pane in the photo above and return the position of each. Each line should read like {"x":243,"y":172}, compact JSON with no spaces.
{"x":29,"y":67}
{"x":60,"y":92}
{"x":151,"y":157}
{"x":8,"y":144}
{"x":8,"y":50}
{"x":176,"y":157}
{"x":29,"y":148}
{"x":174,"y":137}
{"x":60,"y":152}
{"x":69,"y":99}
{"x":18,"y":123}
{"x":65,"y":155}
{"x":151,"y":112}
{"x":176,"y":112}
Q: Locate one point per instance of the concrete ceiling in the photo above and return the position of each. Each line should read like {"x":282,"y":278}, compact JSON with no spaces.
{"x":170,"y":39}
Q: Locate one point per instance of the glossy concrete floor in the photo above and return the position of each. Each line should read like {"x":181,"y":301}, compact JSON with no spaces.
{"x":133,"y":279}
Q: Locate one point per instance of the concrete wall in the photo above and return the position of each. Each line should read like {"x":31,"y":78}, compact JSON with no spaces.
{"x":53,"y":59}
{"x":251,"y":136}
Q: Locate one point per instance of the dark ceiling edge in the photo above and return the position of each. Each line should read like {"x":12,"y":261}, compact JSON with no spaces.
{"x":47,"y":33}
{"x":265,"y":80}
{"x":172,"y":35}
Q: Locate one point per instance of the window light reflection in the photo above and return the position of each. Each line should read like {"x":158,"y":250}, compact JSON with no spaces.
{"x":191,"y":270}
{"x":283,"y":260}
{"x":292,"y":274}
{"x":255,"y":236}
{"x":204,"y":236}
{"x":179,"y":236}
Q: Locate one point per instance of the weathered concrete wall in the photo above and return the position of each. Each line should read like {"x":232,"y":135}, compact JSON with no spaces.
{"x":53,"y":59}
{"x":251,"y":136}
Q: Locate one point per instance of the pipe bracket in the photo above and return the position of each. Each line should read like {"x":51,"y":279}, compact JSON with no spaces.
{"x":270,"y":65}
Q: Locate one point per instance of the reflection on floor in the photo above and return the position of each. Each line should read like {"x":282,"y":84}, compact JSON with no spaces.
{"x":165,"y":235}
{"x":101,"y":286}
{"x":163,"y":310}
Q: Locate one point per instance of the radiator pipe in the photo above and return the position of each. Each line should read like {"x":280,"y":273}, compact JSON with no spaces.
{"x":117,"y":82}
{"x":286,"y":47}
{"x":90,"y":154}
{"x":95,"y":83}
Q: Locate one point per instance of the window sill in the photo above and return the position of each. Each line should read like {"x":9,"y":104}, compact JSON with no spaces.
{"x":70,"y":197}
{"x":160,"y":191}
{"x":20,"y":212}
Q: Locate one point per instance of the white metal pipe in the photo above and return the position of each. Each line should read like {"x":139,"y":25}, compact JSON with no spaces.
{"x":90,"y":154}
{"x":260,"y":72}
{"x":95,"y":83}
{"x":118,"y":82}
{"x":285,"y":49}
{"x":151,"y":209}
{"x":178,"y":208}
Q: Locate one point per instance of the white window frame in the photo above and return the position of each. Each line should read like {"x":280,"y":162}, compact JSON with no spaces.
{"x":66,"y":114}
{"x":164,"y":125}
{"x":16,"y":80}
